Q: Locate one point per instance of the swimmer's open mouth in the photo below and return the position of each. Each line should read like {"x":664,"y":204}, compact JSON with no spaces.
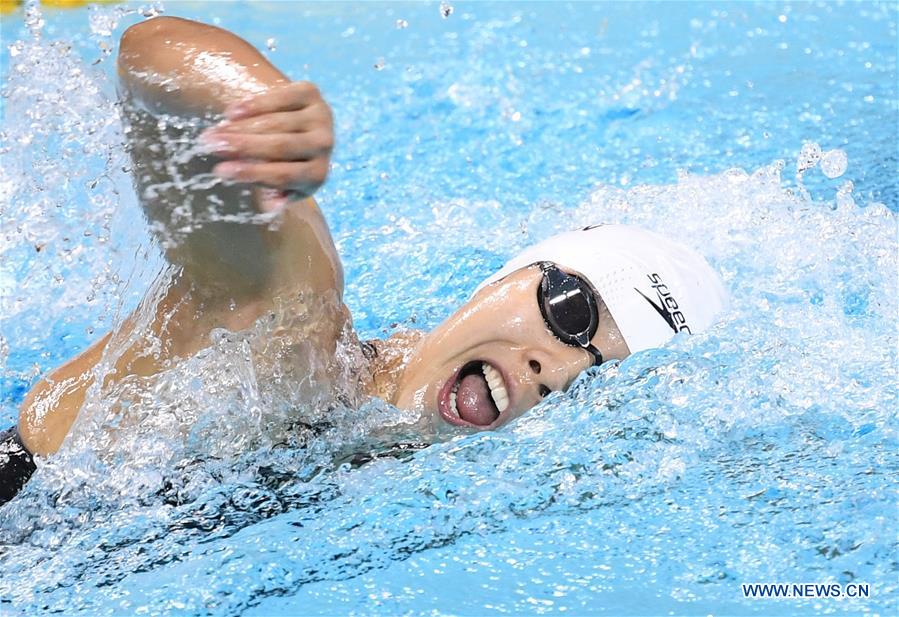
{"x":476,"y":395}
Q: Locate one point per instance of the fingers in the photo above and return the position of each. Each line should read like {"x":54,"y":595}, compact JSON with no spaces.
{"x":303,"y":177}
{"x":289,"y":97}
{"x":270,"y":146}
{"x":316,"y":115}
{"x":281,"y":139}
{"x":272,"y":200}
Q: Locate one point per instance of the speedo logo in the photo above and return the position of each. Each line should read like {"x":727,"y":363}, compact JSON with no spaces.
{"x":667,"y":306}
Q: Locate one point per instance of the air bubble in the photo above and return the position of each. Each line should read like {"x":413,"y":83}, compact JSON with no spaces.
{"x":834,"y":163}
{"x":446,"y":9}
{"x":271,"y":44}
{"x":401,"y":24}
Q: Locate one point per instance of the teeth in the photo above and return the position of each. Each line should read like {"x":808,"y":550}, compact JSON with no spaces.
{"x":453,"y":404}
{"x":497,"y":387}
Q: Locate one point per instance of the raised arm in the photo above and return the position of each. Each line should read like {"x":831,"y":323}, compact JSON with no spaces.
{"x":203,"y":192}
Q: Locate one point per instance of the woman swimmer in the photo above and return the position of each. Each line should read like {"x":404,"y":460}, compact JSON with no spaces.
{"x":572,"y":301}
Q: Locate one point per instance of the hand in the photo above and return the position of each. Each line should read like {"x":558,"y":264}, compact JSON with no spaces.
{"x":281,"y":138}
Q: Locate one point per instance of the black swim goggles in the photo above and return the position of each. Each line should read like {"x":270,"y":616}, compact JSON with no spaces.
{"x":569,"y":307}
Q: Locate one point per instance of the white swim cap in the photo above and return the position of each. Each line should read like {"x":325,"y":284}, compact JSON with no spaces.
{"x":653,"y":287}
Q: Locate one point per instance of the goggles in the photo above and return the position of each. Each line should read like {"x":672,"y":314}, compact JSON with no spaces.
{"x":569,"y":307}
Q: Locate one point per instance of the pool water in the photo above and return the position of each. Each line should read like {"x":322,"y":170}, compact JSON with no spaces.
{"x":762,"y":451}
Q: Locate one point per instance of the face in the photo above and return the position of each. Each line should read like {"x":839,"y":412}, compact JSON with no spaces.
{"x":495,"y":358}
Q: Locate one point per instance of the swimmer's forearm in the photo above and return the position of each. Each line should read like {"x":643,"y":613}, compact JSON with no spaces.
{"x":179,"y":66}
{"x":175,"y":66}
{"x":280,"y":138}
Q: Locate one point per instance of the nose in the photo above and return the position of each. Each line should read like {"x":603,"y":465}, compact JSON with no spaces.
{"x":554,"y":371}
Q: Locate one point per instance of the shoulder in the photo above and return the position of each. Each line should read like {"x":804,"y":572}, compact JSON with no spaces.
{"x":51,"y":406}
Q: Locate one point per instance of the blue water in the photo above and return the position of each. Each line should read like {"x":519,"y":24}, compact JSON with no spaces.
{"x":762,"y":451}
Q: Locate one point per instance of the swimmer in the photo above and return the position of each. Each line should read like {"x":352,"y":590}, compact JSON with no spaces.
{"x":568,"y":303}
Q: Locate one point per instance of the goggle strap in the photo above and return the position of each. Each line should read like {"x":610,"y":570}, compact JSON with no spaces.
{"x":597,"y":354}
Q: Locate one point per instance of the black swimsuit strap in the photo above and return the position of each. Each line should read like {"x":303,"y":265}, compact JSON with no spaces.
{"x":369,"y":350}
{"x":16,"y":464}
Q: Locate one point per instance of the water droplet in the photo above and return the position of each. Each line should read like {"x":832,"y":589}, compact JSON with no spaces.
{"x":103,"y":21}
{"x":271,"y":44}
{"x":154,"y":10}
{"x":834,"y":163}
{"x":446,"y":9}
{"x":809,"y":156}
{"x":844,"y":195}
{"x":34,"y":20}
{"x":401,"y":24}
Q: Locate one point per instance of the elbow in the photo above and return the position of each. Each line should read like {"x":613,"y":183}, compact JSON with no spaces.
{"x":137,"y":37}
{"x":136,"y":40}
{"x":149,"y":42}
